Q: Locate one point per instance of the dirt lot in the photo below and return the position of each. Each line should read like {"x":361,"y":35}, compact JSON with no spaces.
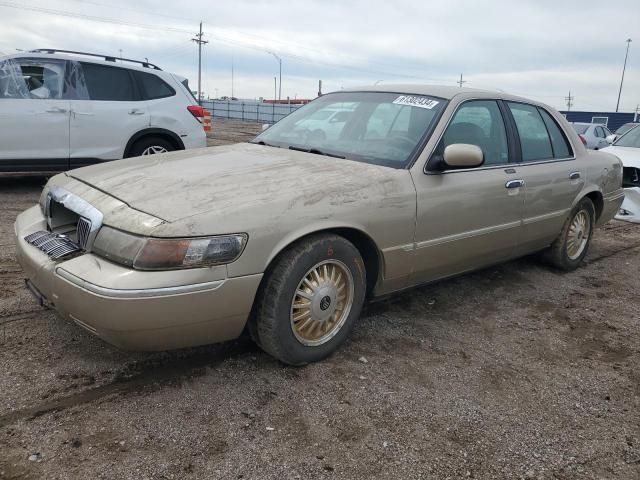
{"x":516,"y":371}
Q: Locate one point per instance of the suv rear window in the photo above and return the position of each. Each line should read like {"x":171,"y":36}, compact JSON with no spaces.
{"x":108,"y":83}
{"x":152,"y":86}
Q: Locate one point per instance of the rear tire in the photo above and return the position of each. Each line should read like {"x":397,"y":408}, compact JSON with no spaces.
{"x":571,"y":246}
{"x":310,"y":300}
{"x":150,"y":146}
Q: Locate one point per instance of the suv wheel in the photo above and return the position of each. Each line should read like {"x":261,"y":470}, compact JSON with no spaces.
{"x":150,"y":146}
{"x":310,"y":300}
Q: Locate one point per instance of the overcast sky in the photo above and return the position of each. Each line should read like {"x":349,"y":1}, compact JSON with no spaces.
{"x":536,"y":48}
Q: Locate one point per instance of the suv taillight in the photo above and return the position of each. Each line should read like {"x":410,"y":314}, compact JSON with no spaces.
{"x":202,"y":115}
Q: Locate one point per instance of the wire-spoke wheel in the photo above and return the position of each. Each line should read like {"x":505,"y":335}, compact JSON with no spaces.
{"x":154,"y":149}
{"x":578,"y":234}
{"x":309,"y":299}
{"x":322,"y":302}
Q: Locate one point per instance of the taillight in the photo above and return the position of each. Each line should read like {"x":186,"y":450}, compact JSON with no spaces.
{"x":584,"y":140}
{"x":202,"y":115}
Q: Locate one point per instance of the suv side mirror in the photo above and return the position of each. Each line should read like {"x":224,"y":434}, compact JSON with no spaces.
{"x":463,"y":155}
{"x":265,"y":126}
{"x":611,"y":138}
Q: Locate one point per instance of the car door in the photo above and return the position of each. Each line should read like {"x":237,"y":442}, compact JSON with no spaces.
{"x":550,"y":171}
{"x":34,"y":115}
{"x":103,"y":122}
{"x":469,"y":218}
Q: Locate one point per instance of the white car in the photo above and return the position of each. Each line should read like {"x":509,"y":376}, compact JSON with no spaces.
{"x":61,"y":110}
{"x":592,"y":135}
{"x":627,"y":149}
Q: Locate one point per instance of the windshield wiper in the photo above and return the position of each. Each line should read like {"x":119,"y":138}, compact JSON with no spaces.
{"x":265,"y":144}
{"x":316,"y":151}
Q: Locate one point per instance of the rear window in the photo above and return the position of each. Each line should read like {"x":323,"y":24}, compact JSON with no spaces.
{"x":534,"y":138}
{"x":152,"y":86}
{"x":580,"y":129}
{"x":108,"y":83}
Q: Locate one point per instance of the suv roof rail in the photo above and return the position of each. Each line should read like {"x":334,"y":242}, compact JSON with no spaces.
{"x":107,"y":58}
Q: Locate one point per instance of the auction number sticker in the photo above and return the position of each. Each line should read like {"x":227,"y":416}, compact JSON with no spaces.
{"x":416,"y":101}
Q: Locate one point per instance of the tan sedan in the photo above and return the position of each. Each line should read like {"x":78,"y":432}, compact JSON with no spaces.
{"x":289,"y":234}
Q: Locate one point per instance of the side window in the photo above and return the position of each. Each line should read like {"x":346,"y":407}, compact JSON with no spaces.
{"x":32,"y":78}
{"x":478,"y":122}
{"x":108,"y":83}
{"x":534,"y":139}
{"x":153,"y":87}
{"x":559,"y":142}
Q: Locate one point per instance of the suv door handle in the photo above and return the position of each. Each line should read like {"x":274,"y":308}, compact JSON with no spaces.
{"x":136,"y":111}
{"x":56,"y":110}
{"x":574,"y":175}
{"x":514,"y":184}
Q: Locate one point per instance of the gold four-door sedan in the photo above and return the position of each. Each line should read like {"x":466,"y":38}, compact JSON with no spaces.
{"x":358,"y":194}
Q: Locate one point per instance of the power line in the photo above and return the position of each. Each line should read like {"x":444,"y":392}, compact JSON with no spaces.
{"x":569,"y":100}
{"x":200,"y":42}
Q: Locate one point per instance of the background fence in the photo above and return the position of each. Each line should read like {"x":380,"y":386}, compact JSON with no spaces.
{"x":249,"y":111}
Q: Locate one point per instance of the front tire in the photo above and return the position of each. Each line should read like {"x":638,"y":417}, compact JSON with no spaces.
{"x":310,"y":299}
{"x":571,"y":246}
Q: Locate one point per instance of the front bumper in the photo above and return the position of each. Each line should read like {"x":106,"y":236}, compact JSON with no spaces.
{"x":630,"y":209}
{"x":137,"y":310}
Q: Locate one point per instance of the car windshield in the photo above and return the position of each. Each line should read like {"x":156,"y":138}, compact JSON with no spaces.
{"x":580,"y":128}
{"x":630,"y":139}
{"x":372,"y":127}
{"x":625,"y":128}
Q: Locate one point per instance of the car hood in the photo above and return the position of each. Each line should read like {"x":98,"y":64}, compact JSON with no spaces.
{"x":228,"y":179}
{"x":630,"y":156}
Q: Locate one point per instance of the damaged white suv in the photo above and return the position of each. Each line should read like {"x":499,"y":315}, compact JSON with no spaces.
{"x":62,"y":109}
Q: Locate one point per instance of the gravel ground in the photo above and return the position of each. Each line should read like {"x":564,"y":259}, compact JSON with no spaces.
{"x":516,"y":371}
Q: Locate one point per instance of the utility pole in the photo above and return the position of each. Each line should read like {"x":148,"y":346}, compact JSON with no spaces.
{"x":232,"y":77}
{"x":637,"y":115}
{"x":624,"y":67}
{"x":460,"y":82}
{"x":200,"y":42}
{"x":275,"y":88}
{"x":280,"y":67}
{"x":120,"y":50}
{"x":319,"y":88}
{"x":569,"y":101}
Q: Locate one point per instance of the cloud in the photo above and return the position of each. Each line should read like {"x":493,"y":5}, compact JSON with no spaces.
{"x":536,"y":48}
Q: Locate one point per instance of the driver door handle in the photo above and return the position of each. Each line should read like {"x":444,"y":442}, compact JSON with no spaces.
{"x":56,"y":110}
{"x":574,"y":175}
{"x":136,"y":111}
{"x":514,"y":183}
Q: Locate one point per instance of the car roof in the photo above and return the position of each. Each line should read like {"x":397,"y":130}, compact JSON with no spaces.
{"x":82,"y":58}
{"x":441,"y":91}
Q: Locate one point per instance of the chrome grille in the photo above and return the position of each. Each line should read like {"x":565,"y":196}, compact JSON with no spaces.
{"x":53,"y":244}
{"x":83,"y":229}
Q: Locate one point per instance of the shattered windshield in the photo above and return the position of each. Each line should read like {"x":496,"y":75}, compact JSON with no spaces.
{"x":372,"y":127}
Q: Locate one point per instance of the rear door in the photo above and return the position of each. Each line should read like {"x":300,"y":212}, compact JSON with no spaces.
{"x":469,"y":218}
{"x":550,"y":171}
{"x":112,"y":112}
{"x":34,"y":115}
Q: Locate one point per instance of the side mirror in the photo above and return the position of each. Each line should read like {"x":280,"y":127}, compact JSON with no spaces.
{"x":611,"y":138}
{"x":463,"y":155}
{"x":265,"y":126}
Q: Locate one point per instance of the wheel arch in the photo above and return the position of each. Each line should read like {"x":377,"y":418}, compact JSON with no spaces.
{"x":168,"y":135}
{"x":371,"y":254}
{"x":595,"y":195}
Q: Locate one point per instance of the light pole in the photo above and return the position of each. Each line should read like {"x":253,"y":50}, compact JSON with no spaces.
{"x":624,"y":67}
{"x":280,"y":67}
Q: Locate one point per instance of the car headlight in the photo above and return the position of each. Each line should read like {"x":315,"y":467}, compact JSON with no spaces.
{"x":144,"y":253}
